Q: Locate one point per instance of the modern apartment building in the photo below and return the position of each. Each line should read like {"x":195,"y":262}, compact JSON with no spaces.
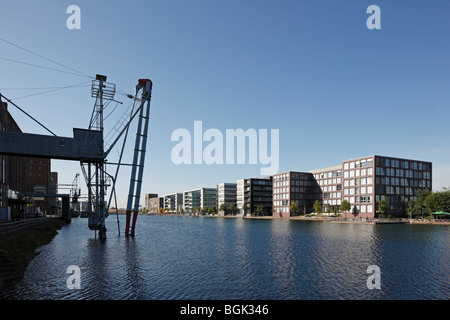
{"x":254,"y":192}
{"x":199,"y":198}
{"x":363,"y":182}
{"x":298,"y":187}
{"x":226,"y":194}
{"x":155,"y":204}
{"x":173,"y":202}
{"x":149,"y":196}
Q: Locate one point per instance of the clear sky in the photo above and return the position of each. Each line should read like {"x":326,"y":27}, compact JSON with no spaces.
{"x":312,"y":69}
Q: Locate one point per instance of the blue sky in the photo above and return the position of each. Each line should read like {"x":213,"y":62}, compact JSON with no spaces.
{"x":312,"y":69}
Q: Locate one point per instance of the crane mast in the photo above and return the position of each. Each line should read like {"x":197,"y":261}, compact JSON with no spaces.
{"x":137,"y":169}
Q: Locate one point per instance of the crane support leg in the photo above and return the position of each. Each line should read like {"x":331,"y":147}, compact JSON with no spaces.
{"x":137,"y":170}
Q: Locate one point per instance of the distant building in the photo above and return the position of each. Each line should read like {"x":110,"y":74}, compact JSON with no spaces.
{"x":362,"y":182}
{"x":298,"y":187}
{"x":199,"y":198}
{"x":155,"y":204}
{"x":38,"y":181}
{"x":149,"y":196}
{"x":12,"y":171}
{"x":226,"y":195}
{"x":173,"y":202}
{"x":254,"y":193}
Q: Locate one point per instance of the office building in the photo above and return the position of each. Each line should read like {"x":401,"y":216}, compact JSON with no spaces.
{"x":254,"y":193}
{"x":226,"y":195}
{"x":149,"y":196}
{"x":362,"y":182}
{"x":298,"y":187}
{"x":173,"y":202}
{"x":155,"y":204}
{"x":199,"y":198}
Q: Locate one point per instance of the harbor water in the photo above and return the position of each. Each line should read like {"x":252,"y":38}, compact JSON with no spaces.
{"x":178,"y":257}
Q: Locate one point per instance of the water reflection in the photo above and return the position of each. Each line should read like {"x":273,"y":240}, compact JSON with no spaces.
{"x":219,"y":258}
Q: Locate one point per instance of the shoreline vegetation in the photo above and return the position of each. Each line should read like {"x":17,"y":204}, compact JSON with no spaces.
{"x":17,"y":250}
{"x":318,"y":218}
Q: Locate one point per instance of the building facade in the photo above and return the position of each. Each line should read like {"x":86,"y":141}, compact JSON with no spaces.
{"x":199,"y":198}
{"x":156,"y":204}
{"x":253,"y":193}
{"x":148,"y":197}
{"x":362,"y":182}
{"x":298,"y":187}
{"x":226,"y":195}
{"x":12,"y":172}
{"x":173,"y":202}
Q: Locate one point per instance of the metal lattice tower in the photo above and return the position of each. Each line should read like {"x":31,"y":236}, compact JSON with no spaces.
{"x":137,"y":169}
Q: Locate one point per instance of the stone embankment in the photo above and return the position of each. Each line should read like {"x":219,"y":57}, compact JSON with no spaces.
{"x":18,"y":248}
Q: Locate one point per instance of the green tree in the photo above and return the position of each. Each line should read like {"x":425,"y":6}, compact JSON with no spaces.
{"x":444,"y":200}
{"x":345,"y":206}
{"x":383,"y":205}
{"x":294,"y":207}
{"x":245,"y":208}
{"x":260,"y":209}
{"x":222,"y":208}
{"x":317,"y":206}
{"x":304,"y":210}
{"x":232,"y":208}
{"x":432,"y":203}
{"x":410,"y":208}
{"x":420,"y":201}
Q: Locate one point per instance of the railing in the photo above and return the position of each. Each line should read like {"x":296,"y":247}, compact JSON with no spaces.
{"x":10,"y":228}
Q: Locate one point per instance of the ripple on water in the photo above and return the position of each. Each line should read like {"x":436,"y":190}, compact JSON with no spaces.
{"x":187,"y":258}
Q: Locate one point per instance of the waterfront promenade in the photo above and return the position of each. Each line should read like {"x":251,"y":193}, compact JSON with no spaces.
{"x":323,"y":219}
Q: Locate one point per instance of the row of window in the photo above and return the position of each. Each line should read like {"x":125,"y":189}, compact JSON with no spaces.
{"x":404,"y":164}
{"x":358,"y":190}
{"x":359,"y":199}
{"x":358,"y":164}
{"x":358,"y":181}
{"x":402,"y":173}
{"x":358,"y":173}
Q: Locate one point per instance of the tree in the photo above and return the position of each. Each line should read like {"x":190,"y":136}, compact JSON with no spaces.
{"x":232,"y":208}
{"x":317,"y":206}
{"x":444,"y":200}
{"x":355,"y":211}
{"x":294,"y":207}
{"x":383,"y":205}
{"x":245,"y":208}
{"x":345,"y":206}
{"x":304,"y":210}
{"x":410,"y":208}
{"x":260,"y":209}
{"x":420,"y":201}
{"x":222,"y":208}
{"x":432,"y":202}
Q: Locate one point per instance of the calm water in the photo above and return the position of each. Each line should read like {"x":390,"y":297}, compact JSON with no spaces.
{"x":225,"y":259}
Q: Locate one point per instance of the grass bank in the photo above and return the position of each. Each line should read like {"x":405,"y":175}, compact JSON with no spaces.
{"x":20,"y":248}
